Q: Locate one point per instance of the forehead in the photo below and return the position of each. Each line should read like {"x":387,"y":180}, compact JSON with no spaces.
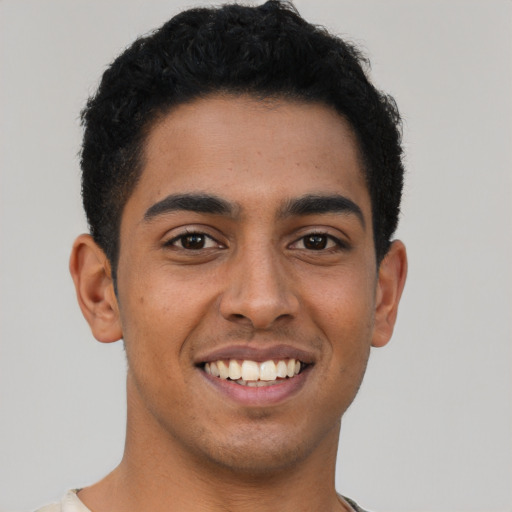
{"x":237,"y":147}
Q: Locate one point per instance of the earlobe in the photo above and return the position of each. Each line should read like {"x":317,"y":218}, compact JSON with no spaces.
{"x":391,"y":282}
{"x":91,"y":273}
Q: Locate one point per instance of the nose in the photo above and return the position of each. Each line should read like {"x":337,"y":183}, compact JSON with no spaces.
{"x":258,"y":291}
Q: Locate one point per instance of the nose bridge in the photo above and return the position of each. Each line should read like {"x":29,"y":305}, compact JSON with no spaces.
{"x":259,"y":287}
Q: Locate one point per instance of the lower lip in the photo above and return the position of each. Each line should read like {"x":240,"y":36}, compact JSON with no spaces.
{"x":259,"y":396}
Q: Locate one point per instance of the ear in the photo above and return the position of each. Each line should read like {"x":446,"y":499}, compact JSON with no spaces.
{"x":391,"y":282}
{"x":92,"y":275}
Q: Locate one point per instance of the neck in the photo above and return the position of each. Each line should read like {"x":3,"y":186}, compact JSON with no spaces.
{"x":158,"y":474}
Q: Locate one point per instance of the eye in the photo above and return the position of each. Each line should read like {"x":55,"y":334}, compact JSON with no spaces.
{"x":193,"y":242}
{"x":318,"y":242}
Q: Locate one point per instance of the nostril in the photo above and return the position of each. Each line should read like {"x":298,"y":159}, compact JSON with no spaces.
{"x":239,"y":318}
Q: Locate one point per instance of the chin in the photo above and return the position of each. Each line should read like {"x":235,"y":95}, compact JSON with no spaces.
{"x":261,"y":461}
{"x":260,"y":452}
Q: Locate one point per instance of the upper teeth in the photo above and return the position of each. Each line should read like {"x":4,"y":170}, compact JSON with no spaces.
{"x":252,"y":371}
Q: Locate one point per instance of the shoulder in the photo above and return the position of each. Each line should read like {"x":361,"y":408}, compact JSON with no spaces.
{"x":54,"y":507}
{"x":69,"y":503}
{"x":352,"y":503}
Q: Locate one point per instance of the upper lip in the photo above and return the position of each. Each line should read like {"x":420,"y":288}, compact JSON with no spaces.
{"x":255,"y":353}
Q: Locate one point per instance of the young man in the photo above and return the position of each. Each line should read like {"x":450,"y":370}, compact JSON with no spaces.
{"x":242,"y":182}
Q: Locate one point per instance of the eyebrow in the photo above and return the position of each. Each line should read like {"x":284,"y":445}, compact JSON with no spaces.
{"x":206,"y":203}
{"x":322,"y":204}
{"x":200,"y":203}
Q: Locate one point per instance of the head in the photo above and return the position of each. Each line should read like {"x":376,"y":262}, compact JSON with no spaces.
{"x":242,"y":178}
{"x":265,"y":52}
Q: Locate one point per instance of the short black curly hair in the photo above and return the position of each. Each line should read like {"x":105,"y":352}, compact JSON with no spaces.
{"x":263,"y":51}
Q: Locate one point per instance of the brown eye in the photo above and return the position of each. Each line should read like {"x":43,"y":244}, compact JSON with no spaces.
{"x":323,"y":243}
{"x":315,"y":242}
{"x":193,"y":241}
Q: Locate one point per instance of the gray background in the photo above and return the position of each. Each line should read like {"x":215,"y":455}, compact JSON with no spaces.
{"x":431,"y":428}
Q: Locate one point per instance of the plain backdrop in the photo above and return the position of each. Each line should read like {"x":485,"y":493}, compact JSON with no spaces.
{"x":431,"y":428}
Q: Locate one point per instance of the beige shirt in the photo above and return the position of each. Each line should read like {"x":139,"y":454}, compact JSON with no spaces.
{"x":69,"y":503}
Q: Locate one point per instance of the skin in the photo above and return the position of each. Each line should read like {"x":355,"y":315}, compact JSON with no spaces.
{"x":253,"y":281}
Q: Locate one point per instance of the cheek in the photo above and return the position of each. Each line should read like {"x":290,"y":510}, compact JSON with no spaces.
{"x":343,"y":309}
{"x":343,"y":303}
{"x":159,"y":310}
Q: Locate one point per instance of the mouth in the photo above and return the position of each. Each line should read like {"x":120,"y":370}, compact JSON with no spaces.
{"x":256,"y":375}
{"x":251,"y":373}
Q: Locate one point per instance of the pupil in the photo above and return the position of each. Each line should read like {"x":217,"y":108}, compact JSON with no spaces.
{"x":315,"y":242}
{"x":193,"y":241}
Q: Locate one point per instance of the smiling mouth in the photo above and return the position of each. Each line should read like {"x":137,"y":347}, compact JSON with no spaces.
{"x":255,"y":374}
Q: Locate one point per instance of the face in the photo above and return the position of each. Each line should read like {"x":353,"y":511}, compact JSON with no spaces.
{"x":247,"y":281}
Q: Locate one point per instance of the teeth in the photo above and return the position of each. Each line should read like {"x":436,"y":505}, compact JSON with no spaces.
{"x":282,"y":369}
{"x":256,"y":383}
{"x":235,"y":372}
{"x":268,"y":371}
{"x":290,"y":368}
{"x":214,"y":370}
{"x":223,"y":369}
{"x":250,"y":370}
{"x":252,"y":373}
